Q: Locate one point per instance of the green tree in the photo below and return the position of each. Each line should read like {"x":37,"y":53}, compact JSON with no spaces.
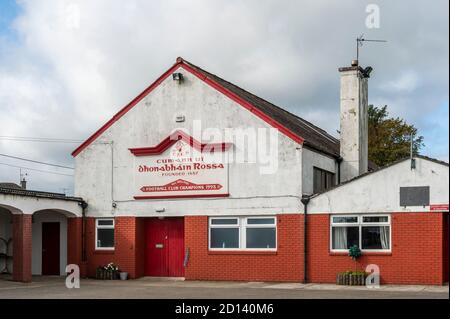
{"x":390,"y":138}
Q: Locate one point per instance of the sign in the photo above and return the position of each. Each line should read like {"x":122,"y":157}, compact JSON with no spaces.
{"x":181,"y":171}
{"x":439,"y":207}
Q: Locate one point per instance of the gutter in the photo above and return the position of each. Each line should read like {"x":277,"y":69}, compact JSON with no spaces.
{"x":305,"y":200}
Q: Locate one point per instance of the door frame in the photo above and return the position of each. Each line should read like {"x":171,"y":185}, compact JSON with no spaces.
{"x":56,"y":259}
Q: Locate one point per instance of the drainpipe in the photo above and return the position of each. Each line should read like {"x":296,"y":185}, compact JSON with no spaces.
{"x":305,"y":201}
{"x":83,"y":205}
{"x":339,"y":161}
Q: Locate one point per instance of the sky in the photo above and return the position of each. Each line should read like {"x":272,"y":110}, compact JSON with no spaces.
{"x":67,"y":66}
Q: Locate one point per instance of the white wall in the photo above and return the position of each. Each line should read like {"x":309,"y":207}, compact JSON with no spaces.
{"x":38,"y":219}
{"x":152,"y":120}
{"x":379,"y":192}
{"x":311,"y":159}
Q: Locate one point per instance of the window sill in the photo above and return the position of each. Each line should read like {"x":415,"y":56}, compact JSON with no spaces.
{"x":241,"y":252}
{"x":104,"y":251}
{"x":369,"y":253}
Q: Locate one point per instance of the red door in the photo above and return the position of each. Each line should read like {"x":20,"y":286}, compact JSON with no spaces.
{"x":50,"y":249}
{"x":165,"y":247}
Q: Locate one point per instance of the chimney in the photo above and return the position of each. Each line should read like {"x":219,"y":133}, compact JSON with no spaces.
{"x":23,"y":183}
{"x":354,"y":120}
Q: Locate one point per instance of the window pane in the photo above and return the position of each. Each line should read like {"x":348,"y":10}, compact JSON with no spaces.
{"x":261,"y":237}
{"x":375,"y":219}
{"x":345,"y":237}
{"x":224,"y":237}
{"x":259,"y":221}
{"x":105,"y":238}
{"x":343,"y":219}
{"x":377,"y":237}
{"x":224,"y":221}
{"x":105,"y":222}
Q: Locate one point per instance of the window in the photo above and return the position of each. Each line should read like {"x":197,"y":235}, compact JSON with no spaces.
{"x":322,"y":180}
{"x":371,"y":233}
{"x":224,"y":233}
{"x":237,"y":233}
{"x":104,"y":234}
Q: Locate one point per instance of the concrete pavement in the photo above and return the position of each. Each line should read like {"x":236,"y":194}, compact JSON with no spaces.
{"x":54,"y":287}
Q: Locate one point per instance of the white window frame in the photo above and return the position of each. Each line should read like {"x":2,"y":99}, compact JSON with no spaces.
{"x":360,"y":224}
{"x":242,"y":225}
{"x":97,"y":227}
{"x":210,"y":226}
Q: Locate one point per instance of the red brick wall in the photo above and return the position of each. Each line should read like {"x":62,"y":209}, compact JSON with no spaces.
{"x":284,"y":265}
{"x":128,"y":247}
{"x":22,"y":241}
{"x":74,"y":245}
{"x":445,"y":246}
{"x":416,"y":256}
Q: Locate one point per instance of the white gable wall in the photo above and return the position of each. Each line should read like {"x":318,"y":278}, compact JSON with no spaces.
{"x":152,"y":120}
{"x":379,"y":192}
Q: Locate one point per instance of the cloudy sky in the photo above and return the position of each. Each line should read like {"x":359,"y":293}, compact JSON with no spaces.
{"x":67,"y":66}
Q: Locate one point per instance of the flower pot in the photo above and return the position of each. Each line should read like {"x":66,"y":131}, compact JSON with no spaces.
{"x":123,"y":275}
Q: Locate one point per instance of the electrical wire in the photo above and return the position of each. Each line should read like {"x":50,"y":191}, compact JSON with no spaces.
{"x":34,"y":169}
{"x":37,"y":162}
{"x":39,"y":139}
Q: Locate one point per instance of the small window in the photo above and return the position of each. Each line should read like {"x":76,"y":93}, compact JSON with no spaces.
{"x":224,"y":233}
{"x":370,"y":233}
{"x":345,"y":219}
{"x":260,"y":233}
{"x":375,"y":219}
{"x":224,"y":221}
{"x":322,"y":180}
{"x":104,"y":234}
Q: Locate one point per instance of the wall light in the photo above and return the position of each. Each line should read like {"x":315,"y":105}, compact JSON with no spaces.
{"x":178,"y":77}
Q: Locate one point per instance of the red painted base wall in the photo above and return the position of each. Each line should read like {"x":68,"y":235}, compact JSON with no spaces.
{"x":284,"y":265}
{"x":416,"y":258}
{"x":419,"y":251}
{"x":129,"y":247}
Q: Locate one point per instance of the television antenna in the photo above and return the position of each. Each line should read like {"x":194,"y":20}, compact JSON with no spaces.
{"x":360,"y":41}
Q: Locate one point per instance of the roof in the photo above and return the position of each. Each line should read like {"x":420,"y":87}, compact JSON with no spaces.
{"x":38,"y":194}
{"x":313,"y":136}
{"x":10,"y":185}
{"x":370,"y":172}
{"x":298,"y":129}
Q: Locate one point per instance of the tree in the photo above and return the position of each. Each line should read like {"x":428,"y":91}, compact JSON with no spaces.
{"x":390,"y":138}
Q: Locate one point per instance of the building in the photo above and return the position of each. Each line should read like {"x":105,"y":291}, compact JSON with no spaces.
{"x":198,"y":178}
{"x":36,"y":229}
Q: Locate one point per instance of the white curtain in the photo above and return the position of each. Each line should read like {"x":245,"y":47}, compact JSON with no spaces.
{"x":384,"y":237}
{"x":340,"y":238}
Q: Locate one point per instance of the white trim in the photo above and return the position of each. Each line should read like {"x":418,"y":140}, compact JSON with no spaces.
{"x":242,"y":226}
{"x":97,"y":226}
{"x":360,"y":224}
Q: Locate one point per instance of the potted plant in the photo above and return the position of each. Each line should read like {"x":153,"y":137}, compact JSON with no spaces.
{"x":352,"y":278}
{"x":108,"y":272}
